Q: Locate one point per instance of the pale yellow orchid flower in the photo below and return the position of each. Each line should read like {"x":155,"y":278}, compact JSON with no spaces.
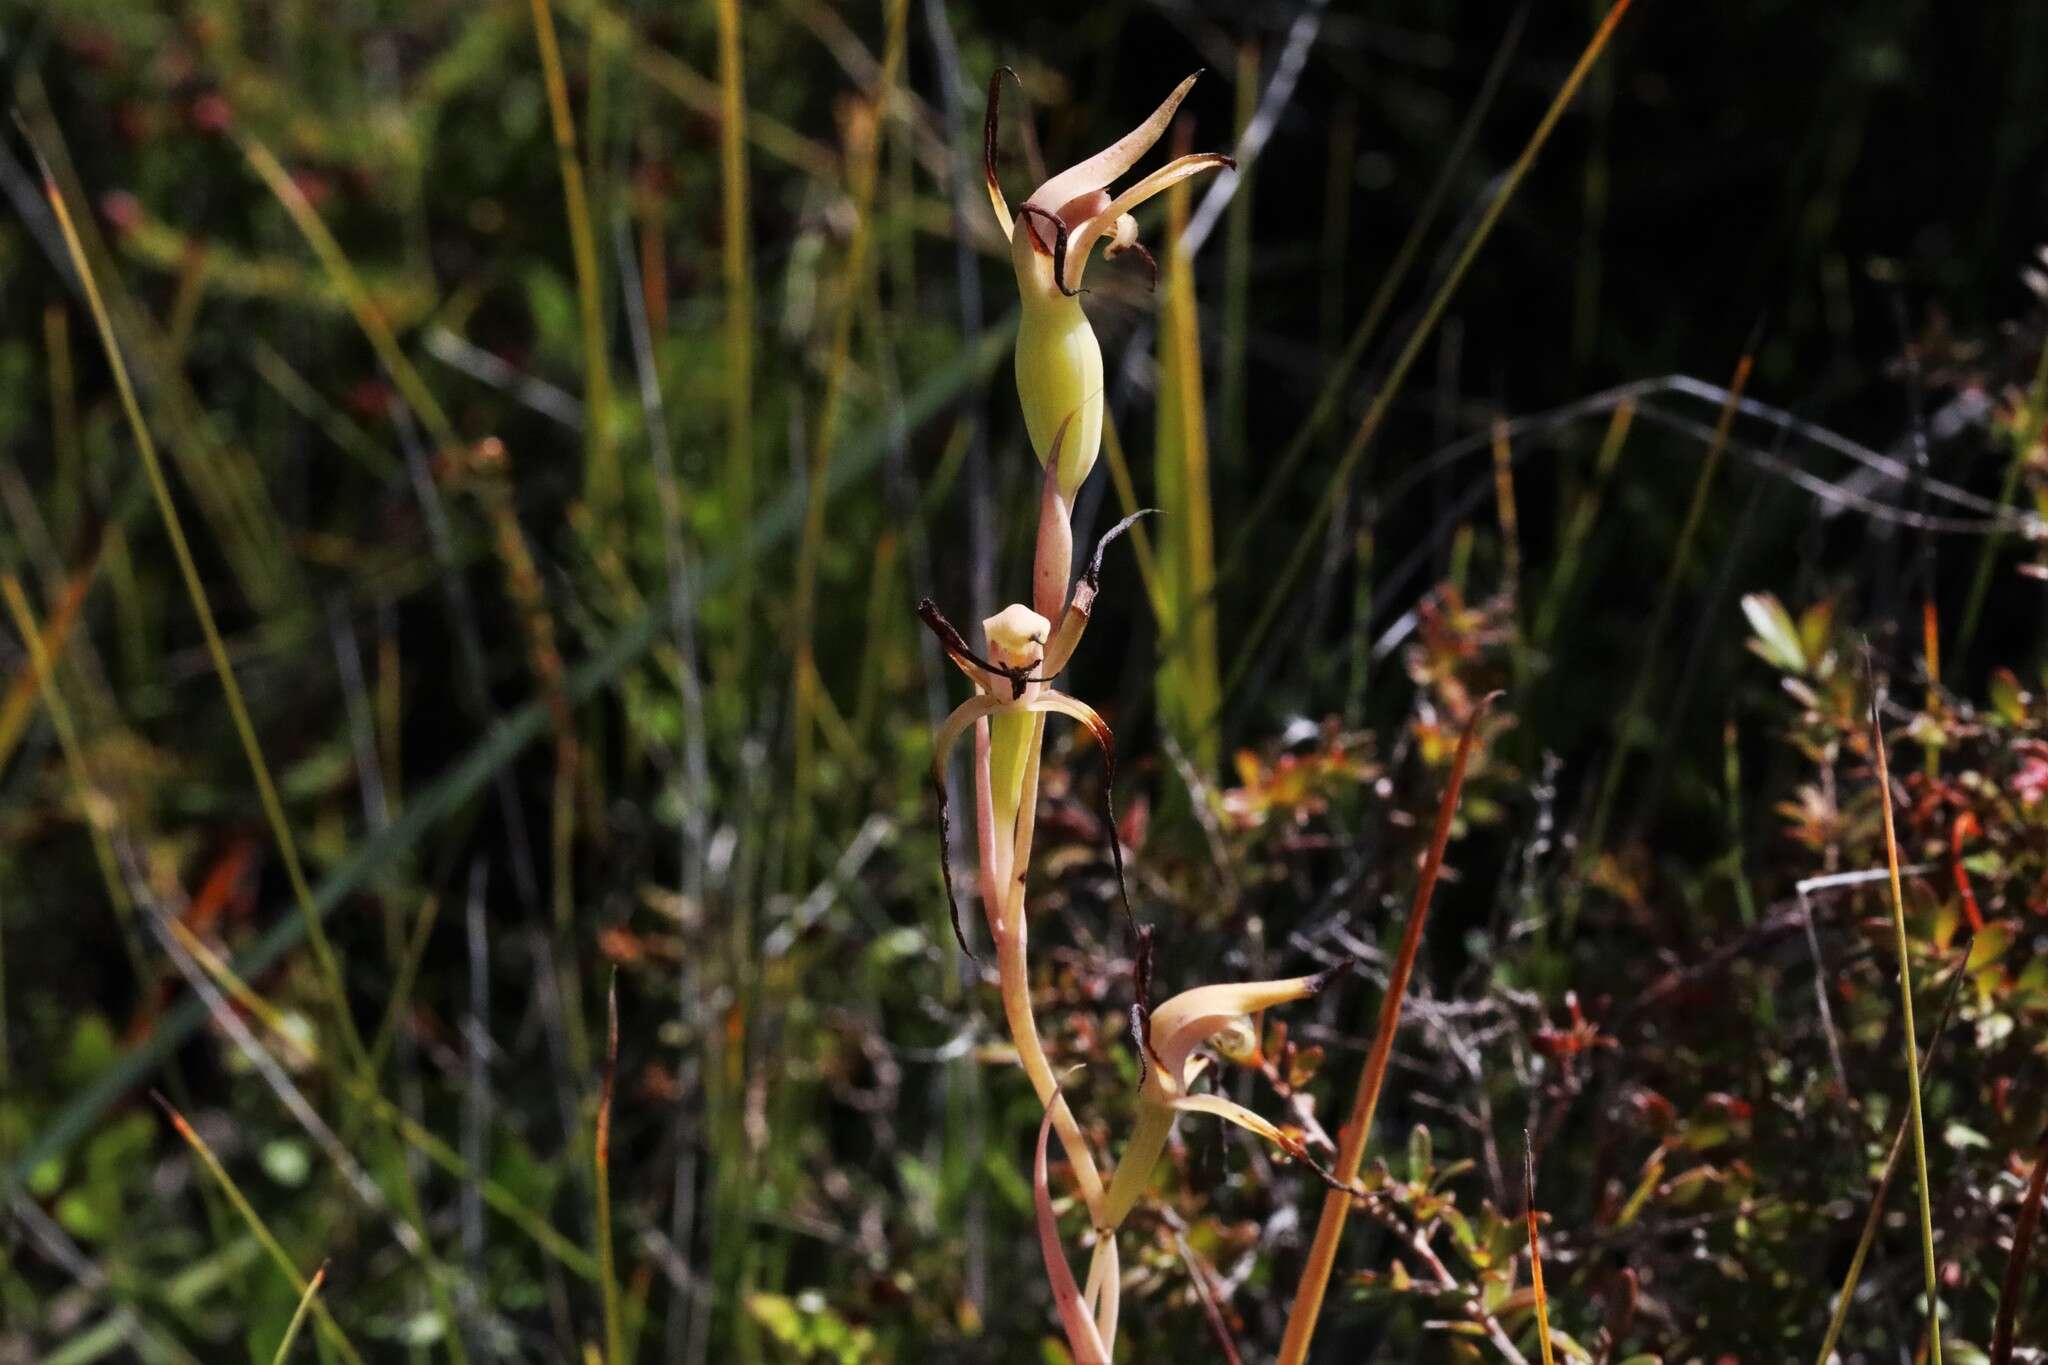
{"x":1218,"y":1016}
{"x":1059,"y":361}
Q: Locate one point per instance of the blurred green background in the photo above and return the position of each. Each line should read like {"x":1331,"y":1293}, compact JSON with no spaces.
{"x":565,"y":547}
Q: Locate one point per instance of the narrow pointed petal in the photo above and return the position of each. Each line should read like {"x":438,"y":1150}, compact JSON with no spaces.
{"x":1105,"y":740}
{"x":1083,"y":238}
{"x":1232,"y":1112}
{"x":989,"y":125}
{"x":964,"y":715}
{"x":1112,"y":161}
{"x":1082,"y":1337}
{"x":979,"y":671}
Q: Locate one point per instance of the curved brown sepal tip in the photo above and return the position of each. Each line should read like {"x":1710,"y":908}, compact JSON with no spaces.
{"x":1151,"y":265}
{"x":1105,"y":740}
{"x":1141,"y":1029}
{"x":991,"y":122}
{"x":1323,"y":978}
{"x":946,"y":869}
{"x":950,"y":640}
{"x":1094,"y":574}
{"x":1058,"y":250}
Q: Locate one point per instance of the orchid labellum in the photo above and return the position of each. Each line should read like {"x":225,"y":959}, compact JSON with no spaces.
{"x":1059,"y":362}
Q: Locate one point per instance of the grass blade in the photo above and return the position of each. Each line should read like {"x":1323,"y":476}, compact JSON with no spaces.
{"x":1571,"y":545}
{"x":459,"y":783}
{"x":330,"y":1330}
{"x":369,"y":317}
{"x":1535,"y":1248}
{"x":1875,"y":1217}
{"x":502,"y":1200}
{"x":245,"y":730}
{"x":1308,"y":538}
{"x":607,"y":1272}
{"x":44,"y":651}
{"x":1667,"y":596}
{"x":1188,"y":691}
{"x":291,"y":1331}
{"x":601,"y":471}
{"x":1891,"y":857}
{"x":1336,"y":382}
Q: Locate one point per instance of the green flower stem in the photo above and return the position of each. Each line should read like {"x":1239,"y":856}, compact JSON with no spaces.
{"x":1016,"y":988}
{"x":1141,"y":1155}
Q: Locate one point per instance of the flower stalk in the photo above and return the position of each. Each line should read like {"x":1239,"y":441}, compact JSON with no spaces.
{"x":1059,"y":386}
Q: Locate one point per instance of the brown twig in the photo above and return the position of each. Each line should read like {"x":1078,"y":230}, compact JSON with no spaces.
{"x":1315,"y":1278}
{"x":2016,"y":1265}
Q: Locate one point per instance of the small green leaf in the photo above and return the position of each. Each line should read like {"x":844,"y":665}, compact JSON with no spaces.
{"x":2006,"y":698}
{"x":1421,"y":1155}
{"x":1776,"y":640}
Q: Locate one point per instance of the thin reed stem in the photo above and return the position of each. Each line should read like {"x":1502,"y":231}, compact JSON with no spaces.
{"x":1307,"y":537}
{"x":291,"y":1331}
{"x":1535,"y":1249}
{"x":738,"y":385}
{"x":607,"y":1271}
{"x":601,"y":483}
{"x":1912,"y":1042}
{"x":1357,"y":1131}
{"x":810,"y":547}
{"x":330,"y":1330}
{"x":1875,"y":1217}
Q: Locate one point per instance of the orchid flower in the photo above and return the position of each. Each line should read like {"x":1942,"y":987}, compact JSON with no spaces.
{"x":1012,"y":688}
{"x":1167,"y":1037}
{"x":1059,"y":362}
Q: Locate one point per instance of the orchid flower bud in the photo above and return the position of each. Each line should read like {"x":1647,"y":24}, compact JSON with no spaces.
{"x":1059,"y":361}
